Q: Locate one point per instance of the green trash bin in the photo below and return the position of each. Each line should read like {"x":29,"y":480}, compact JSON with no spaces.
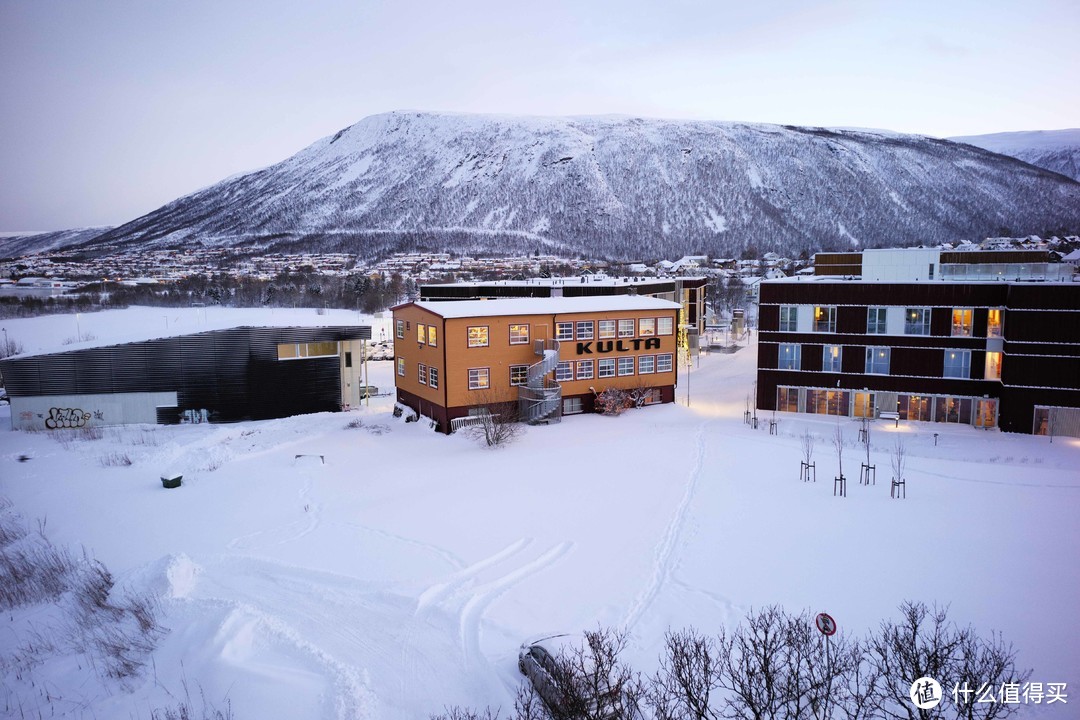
{"x":171,"y":481}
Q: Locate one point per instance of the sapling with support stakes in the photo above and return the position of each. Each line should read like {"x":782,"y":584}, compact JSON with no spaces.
{"x":898,"y":458}
{"x":839,"y":482}
{"x":808,"y":453}
{"x":867,"y":471}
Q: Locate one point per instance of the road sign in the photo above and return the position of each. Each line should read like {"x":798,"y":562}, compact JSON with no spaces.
{"x":825,"y":624}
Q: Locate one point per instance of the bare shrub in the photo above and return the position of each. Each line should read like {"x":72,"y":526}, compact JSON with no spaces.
{"x":459,"y":713}
{"x":496,"y":425}
{"x":592,"y":683}
{"x":613,"y":401}
{"x":898,"y":459}
{"x":10,"y":346}
{"x":115,"y":459}
{"x":354,"y":424}
{"x":186,"y":709}
{"x":684,"y":686}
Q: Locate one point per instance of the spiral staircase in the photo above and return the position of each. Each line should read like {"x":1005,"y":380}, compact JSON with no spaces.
{"x":540,"y":398}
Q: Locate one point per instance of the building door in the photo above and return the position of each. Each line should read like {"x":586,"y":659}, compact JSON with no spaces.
{"x":985,"y":413}
{"x":864,"y":405}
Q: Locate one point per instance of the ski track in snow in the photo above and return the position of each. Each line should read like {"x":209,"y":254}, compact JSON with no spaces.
{"x":665,"y":561}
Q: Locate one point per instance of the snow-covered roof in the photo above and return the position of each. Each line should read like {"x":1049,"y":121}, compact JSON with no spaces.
{"x":542,"y":306}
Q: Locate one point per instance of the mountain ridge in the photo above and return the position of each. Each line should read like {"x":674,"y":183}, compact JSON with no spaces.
{"x":610,"y":186}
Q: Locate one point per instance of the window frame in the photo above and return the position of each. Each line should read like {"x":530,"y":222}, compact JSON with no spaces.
{"x":560,"y":326}
{"x":794,"y":356}
{"x":401,"y":366}
{"x":433,"y":336}
{"x":917,"y":321}
{"x":421,"y":334}
{"x":601,"y":334}
{"x":670,"y":362}
{"x":790,"y":323}
{"x":399,"y":329}
{"x":967,"y":326}
{"x":517,"y":333}
{"x":421,"y":373}
{"x":646,"y":327}
{"x":651,"y":364}
{"x":475,"y":375}
{"x":589,"y":327}
{"x":829,"y":321}
{"x":469,"y":340}
{"x":665,"y":321}
{"x":964,"y":357}
{"x":523,"y":370}
{"x":625,"y":361}
{"x":564,"y":371}
{"x":433,"y":377}
{"x":881,"y":325}
{"x":606,"y":368}
{"x":828,"y":357}
{"x":627,"y":323}
{"x":579,"y":371}
{"x":871,"y":362}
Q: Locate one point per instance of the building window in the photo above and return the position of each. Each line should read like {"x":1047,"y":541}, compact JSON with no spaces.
{"x":571,"y":406}
{"x":875,"y":320}
{"x":993,"y":323}
{"x":825,"y":319}
{"x":299,"y":351}
{"x":584,"y":369}
{"x":647,"y":326}
{"x":607,"y":329}
{"x":478,"y":336}
{"x":957,"y":364}
{"x":961,"y":322}
{"x":789,"y":318}
{"x":564,"y":371}
{"x":519,"y":374}
{"x":585,"y":330}
{"x":665,"y":326}
{"x":519,"y":334}
{"x":626,"y":365}
{"x":626,"y":328}
{"x":993,"y":366}
{"x":421,"y":374}
{"x":433,"y":378}
{"x":790,"y":357}
{"x":348,"y":359}
{"x":564,"y":331}
{"x":917,"y":321}
{"x":651,"y":397}
{"x":663,"y":362}
{"x":787,"y":399}
{"x":646,"y":364}
{"x":399,"y":329}
{"x":401,"y":366}
{"x":431,"y":336}
{"x":828,"y":402}
{"x":605,"y":368}
{"x":877,"y":360}
{"x":830,"y":358}
{"x":421,"y":333}
{"x":479,"y":378}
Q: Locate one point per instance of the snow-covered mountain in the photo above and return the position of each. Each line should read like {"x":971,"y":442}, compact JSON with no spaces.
{"x":1057,"y":150}
{"x":18,"y":244}
{"x":611,"y":186}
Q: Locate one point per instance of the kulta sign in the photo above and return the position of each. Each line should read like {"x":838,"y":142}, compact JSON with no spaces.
{"x":607,"y":346}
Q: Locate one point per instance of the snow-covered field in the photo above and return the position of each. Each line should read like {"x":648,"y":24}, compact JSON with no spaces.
{"x":401,"y":575}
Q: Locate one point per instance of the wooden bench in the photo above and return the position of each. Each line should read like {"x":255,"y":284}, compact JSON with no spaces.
{"x":895,"y":416}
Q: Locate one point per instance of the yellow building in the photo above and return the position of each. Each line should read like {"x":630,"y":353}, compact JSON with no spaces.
{"x":550,"y":356}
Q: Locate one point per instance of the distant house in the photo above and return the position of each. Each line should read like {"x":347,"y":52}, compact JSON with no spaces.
{"x":1072,"y":258}
{"x":245,"y":373}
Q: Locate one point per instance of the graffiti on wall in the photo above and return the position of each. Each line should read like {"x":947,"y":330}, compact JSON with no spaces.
{"x":66,"y":418}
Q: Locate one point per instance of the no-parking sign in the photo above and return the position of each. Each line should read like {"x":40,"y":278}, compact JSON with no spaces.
{"x":825,"y":624}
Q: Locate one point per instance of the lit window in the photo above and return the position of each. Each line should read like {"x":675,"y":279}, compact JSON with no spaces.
{"x":478,"y":336}
{"x":401,"y":366}
{"x":917,"y":321}
{"x":421,"y":374}
{"x":584,"y":369}
{"x":479,"y":378}
{"x":789,"y":318}
{"x":663,"y":362}
{"x":585,"y":330}
{"x":993,"y":366}
{"x":877,"y":360}
{"x":564,"y":371}
{"x":961,"y":322}
{"x":606,"y":329}
{"x":605,"y":368}
{"x":433,"y":377}
{"x":564,"y":331}
{"x":626,"y":365}
{"x":646,"y":364}
{"x":519,"y":334}
{"x":399,"y":330}
{"x":665,"y":326}
{"x":957,"y":364}
{"x":825,"y":319}
{"x":830,"y":358}
{"x":421,"y":333}
{"x":875,"y":321}
{"x":295,"y":351}
{"x":431,"y":337}
{"x":626,"y":328}
{"x":790,"y":357}
{"x":993,"y":323}
{"x":646,"y":326}
{"x":519,"y":374}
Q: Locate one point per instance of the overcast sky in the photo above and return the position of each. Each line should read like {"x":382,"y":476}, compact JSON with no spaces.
{"x":111,"y":108}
